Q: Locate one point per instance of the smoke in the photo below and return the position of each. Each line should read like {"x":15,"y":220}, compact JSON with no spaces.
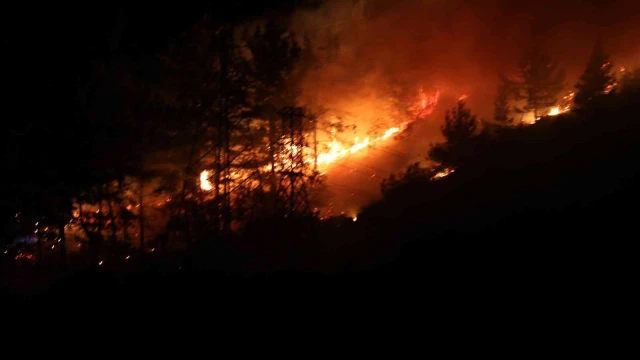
{"x":386,"y":50}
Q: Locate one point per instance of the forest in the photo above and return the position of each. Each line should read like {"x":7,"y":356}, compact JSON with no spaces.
{"x":204,"y":161}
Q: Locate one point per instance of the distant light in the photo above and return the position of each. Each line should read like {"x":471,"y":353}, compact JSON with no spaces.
{"x":100,"y":262}
{"x":6,"y":251}
{"x":153,"y":249}
{"x":355,"y":218}
{"x":128,"y":257}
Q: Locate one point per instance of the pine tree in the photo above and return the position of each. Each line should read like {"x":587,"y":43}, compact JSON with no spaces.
{"x":502,"y":111}
{"x":541,"y":81}
{"x":598,"y":78}
{"x":458,"y":129}
{"x":459,"y":124}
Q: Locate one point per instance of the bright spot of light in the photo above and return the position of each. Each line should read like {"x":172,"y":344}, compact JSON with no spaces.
{"x":205,"y":184}
{"x":100,"y":262}
{"x":554,"y":111}
{"x":355,"y":218}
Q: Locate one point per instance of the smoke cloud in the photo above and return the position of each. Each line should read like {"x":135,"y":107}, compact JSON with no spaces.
{"x":389,"y":49}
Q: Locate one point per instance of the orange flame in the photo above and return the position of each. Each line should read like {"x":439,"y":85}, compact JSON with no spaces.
{"x":422,"y":107}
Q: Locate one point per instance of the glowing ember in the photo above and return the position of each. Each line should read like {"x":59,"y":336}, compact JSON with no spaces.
{"x":610,"y":88}
{"x":24,"y":256}
{"x":444,"y":173}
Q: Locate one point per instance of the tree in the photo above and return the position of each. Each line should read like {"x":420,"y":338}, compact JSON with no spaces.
{"x":598,"y":78}
{"x":275,"y":54}
{"x":459,"y":124}
{"x":540,"y":83}
{"x":458,"y":129}
{"x":502,"y":110}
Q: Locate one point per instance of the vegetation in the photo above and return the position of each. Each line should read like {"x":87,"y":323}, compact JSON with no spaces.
{"x":125,"y":179}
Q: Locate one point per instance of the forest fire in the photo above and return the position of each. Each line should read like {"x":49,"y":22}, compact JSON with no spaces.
{"x":423,"y":106}
{"x":555,"y":111}
{"x":338,"y":150}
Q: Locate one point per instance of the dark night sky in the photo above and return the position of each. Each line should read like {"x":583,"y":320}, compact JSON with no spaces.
{"x":48,"y":47}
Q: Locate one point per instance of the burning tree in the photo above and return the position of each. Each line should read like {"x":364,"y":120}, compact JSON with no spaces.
{"x":540,"y":82}
{"x":598,"y":78}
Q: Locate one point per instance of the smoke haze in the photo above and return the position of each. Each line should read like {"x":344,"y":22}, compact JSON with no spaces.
{"x":388,"y":49}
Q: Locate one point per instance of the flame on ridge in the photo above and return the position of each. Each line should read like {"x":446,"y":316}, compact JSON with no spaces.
{"x":422,"y":107}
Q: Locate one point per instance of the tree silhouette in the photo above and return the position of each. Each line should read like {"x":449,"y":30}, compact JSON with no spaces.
{"x":540,"y":83}
{"x":459,"y":124}
{"x":502,"y":111}
{"x":598,"y":78}
{"x":458,"y":129}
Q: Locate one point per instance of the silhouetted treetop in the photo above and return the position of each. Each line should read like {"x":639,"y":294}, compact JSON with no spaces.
{"x":540,"y":81}
{"x":502,"y":110}
{"x":459,"y":124}
{"x":598,"y":78}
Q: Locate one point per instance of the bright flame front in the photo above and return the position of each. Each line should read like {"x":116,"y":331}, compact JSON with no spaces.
{"x":336,"y":150}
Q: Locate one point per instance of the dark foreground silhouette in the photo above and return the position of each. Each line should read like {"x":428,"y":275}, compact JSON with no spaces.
{"x":544,"y":210}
